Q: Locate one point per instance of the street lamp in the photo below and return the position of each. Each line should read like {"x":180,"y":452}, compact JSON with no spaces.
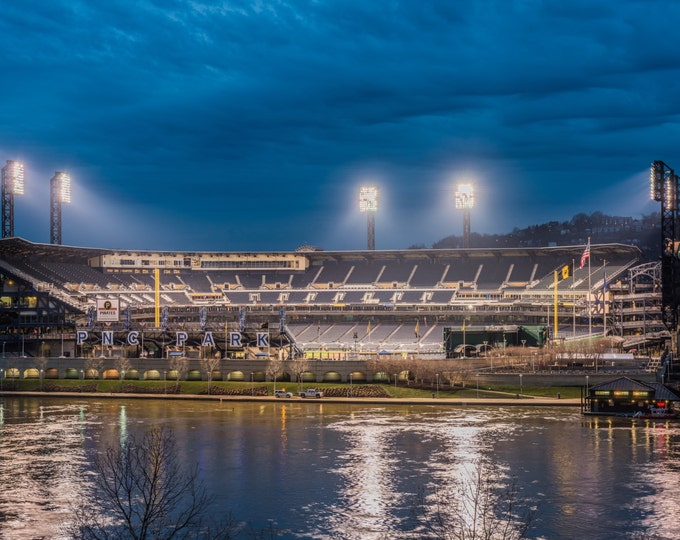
{"x":350,"y":386}
{"x":477,"y":377}
{"x":165,"y":381}
{"x":436,"y":375}
{"x":252,"y":384}
{"x":2,"y":376}
{"x":368,"y":204}
{"x":41,"y":379}
{"x":521,"y":388}
{"x":395,"y":380}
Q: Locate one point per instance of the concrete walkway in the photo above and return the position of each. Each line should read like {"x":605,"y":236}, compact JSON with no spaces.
{"x":524,"y":401}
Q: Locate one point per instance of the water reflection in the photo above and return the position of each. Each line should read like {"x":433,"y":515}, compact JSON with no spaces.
{"x":352,"y":471}
{"x":42,"y":458}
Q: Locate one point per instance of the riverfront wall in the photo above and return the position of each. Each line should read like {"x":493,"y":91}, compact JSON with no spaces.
{"x":340,"y":371}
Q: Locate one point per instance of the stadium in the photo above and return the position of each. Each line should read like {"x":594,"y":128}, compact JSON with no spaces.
{"x":317,"y":315}
{"x":71,"y":312}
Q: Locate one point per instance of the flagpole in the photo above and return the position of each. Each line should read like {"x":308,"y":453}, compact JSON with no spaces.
{"x":573,"y":296}
{"x":604,"y":300}
{"x":555,"y":303}
{"x":590,"y":312}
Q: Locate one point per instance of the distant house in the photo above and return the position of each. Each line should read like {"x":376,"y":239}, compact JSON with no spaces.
{"x":629,"y":397}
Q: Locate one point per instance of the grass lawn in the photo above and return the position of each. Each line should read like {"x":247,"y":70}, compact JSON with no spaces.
{"x":258,"y":388}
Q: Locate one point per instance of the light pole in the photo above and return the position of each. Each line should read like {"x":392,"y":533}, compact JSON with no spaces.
{"x":395,"y":381}
{"x":2,"y":376}
{"x":477,"y":377}
{"x":521,"y":388}
{"x":41,"y":380}
{"x":165,"y":381}
{"x":60,"y":192}
{"x":464,"y":330}
{"x":12,"y":184}
{"x":436,"y":375}
{"x":350,"y":386}
{"x":368,"y":204}
{"x":465,"y":201}
{"x":252,"y":384}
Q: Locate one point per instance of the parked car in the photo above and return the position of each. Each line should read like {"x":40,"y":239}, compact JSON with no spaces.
{"x":311,"y":392}
{"x":282,"y":394}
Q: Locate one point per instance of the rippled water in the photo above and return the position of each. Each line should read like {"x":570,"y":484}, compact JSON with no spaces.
{"x":351,"y":471}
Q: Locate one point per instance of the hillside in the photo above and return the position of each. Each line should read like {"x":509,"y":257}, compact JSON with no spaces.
{"x":645,"y":233}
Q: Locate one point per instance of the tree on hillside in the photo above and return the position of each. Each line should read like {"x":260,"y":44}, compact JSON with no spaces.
{"x":141,"y":490}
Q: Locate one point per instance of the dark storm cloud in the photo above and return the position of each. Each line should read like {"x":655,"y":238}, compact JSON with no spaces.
{"x":237,"y":125}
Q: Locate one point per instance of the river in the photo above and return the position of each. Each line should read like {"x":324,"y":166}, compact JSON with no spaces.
{"x":351,"y":471}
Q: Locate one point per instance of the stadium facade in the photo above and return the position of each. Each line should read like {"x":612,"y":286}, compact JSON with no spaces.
{"x":82,"y":302}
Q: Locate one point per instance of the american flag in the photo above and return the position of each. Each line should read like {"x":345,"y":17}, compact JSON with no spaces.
{"x":586,"y":254}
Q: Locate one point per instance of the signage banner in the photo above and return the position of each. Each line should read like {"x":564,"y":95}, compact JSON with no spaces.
{"x":108,"y":310}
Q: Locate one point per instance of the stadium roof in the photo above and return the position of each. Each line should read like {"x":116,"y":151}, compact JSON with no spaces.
{"x":18,"y":246}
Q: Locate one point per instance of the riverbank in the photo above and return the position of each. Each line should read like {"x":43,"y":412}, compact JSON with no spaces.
{"x":518,"y":400}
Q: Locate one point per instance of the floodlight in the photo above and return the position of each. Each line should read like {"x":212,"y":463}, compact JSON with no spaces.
{"x":368,"y":203}
{"x":465,"y":200}
{"x":656,"y":180}
{"x":368,"y":199}
{"x":64,"y":187}
{"x":60,"y":192}
{"x":12,"y":184}
{"x":13,"y":174}
{"x":465,"y":196}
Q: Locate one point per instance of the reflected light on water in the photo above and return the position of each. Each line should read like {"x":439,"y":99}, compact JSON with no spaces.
{"x":352,"y":472}
{"x":366,"y":484}
{"x":43,"y":460}
{"x":388,"y":460}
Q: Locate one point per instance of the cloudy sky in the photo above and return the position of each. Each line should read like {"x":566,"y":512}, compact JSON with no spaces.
{"x":249,"y":126}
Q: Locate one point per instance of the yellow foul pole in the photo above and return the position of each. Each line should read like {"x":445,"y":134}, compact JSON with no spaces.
{"x":157,"y":290}
{"x":555,"y":307}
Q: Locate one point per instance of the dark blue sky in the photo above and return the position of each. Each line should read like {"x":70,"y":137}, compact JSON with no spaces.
{"x":249,"y":126}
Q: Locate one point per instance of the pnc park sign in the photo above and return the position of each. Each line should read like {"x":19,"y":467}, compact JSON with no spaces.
{"x":235,"y":339}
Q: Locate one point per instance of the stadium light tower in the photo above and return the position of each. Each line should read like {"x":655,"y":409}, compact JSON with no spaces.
{"x":12,"y":184}
{"x":465,"y":200}
{"x":60,"y":192}
{"x":368,"y":203}
{"x":664,"y":189}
